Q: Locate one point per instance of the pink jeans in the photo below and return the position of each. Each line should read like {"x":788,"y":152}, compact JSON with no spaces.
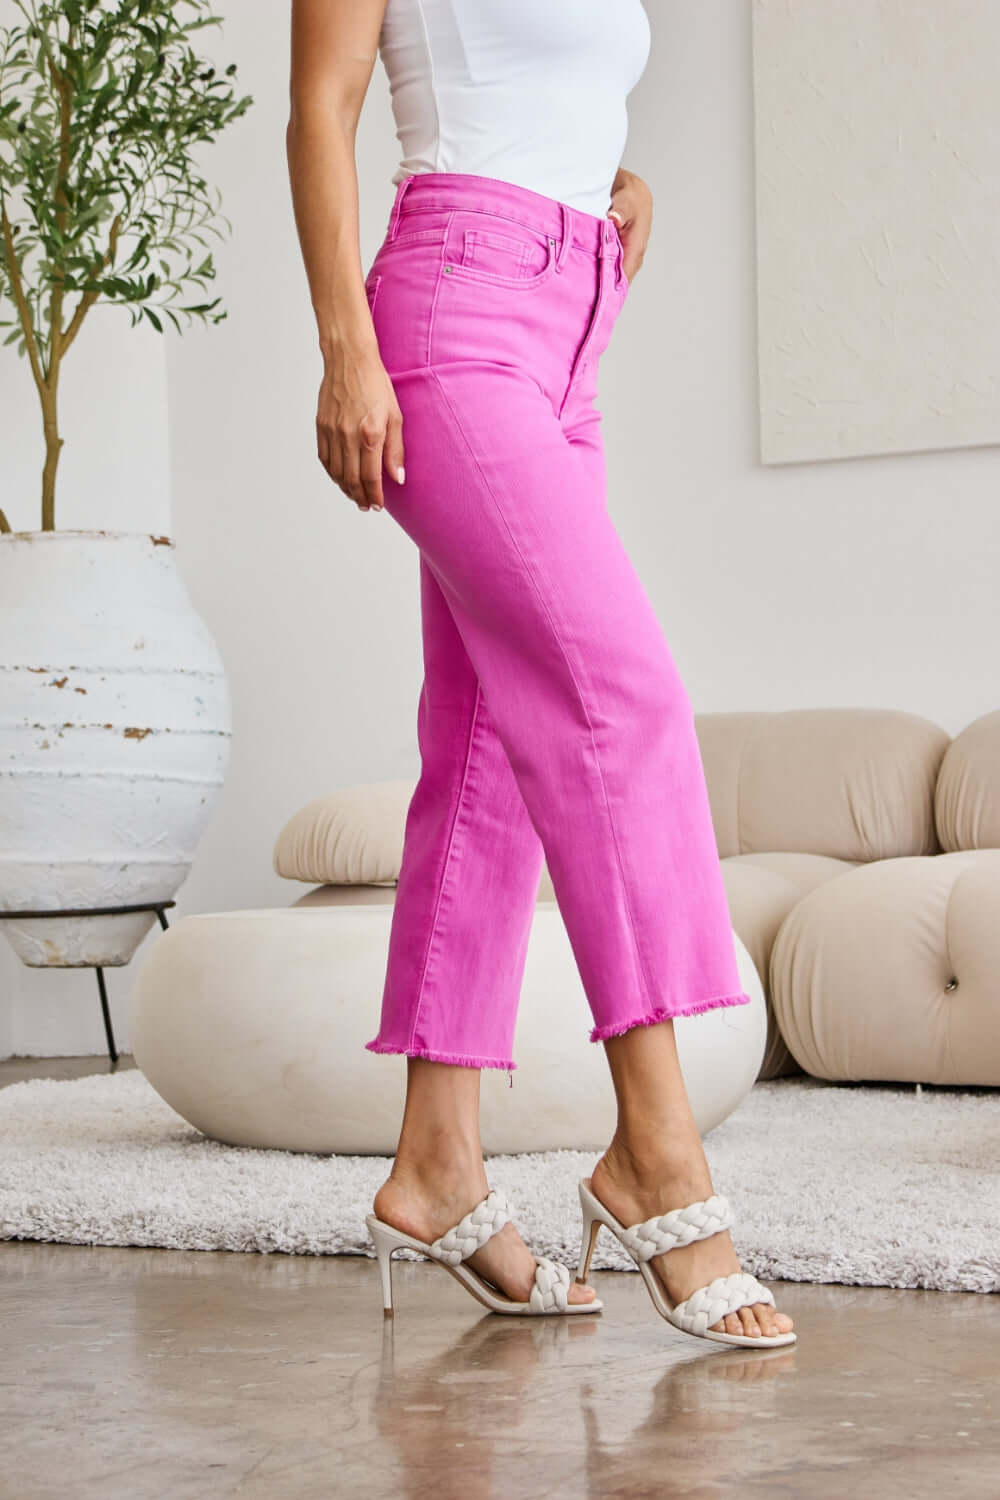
{"x":552,"y":720}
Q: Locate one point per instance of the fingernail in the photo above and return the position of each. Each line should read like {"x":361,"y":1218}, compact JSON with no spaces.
{"x":400,"y":475}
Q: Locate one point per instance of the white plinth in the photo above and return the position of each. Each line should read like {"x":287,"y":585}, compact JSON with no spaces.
{"x":252,"y":1024}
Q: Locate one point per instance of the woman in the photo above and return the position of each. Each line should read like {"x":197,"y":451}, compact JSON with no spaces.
{"x":552,"y":721}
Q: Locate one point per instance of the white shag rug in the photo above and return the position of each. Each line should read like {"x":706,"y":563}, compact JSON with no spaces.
{"x":872,"y":1186}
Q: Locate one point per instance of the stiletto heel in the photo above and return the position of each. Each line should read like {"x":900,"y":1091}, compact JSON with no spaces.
{"x":384,"y":1246}
{"x":549,"y":1295}
{"x":591,"y":1229}
{"x":682,"y":1226}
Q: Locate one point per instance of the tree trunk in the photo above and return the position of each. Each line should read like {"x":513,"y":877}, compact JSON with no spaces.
{"x":53,"y":445}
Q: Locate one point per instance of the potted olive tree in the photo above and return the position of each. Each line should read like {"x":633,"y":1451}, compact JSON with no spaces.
{"x":114,"y":711}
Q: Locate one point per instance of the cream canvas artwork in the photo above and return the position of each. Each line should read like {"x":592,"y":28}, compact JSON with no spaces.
{"x":877,"y":154}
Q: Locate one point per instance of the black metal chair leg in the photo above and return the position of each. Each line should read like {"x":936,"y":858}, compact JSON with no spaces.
{"x":108,"y":1032}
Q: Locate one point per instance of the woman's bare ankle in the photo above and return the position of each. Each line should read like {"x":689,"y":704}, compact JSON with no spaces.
{"x":427,"y":1158}
{"x":433,"y":1182}
{"x":646,"y":1164}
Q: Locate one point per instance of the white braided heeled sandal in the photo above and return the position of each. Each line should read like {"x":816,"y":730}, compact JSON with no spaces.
{"x":681,"y":1226}
{"x":549,"y":1295}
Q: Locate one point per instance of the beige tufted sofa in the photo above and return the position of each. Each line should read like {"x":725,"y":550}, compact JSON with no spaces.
{"x":861,"y":854}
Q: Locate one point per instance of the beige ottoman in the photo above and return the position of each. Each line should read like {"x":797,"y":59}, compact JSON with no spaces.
{"x":252,"y":1025}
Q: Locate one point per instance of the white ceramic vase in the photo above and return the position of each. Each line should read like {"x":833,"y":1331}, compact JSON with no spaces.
{"x":114,"y":737}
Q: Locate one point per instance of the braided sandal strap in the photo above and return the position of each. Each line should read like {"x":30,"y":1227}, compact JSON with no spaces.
{"x":550,"y":1292}
{"x":726,"y":1294}
{"x":471,"y":1233}
{"x":681,"y":1226}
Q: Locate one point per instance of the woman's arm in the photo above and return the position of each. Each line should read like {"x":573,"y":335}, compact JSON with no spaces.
{"x":334,"y":46}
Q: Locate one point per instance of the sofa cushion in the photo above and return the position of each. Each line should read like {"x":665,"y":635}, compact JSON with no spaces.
{"x":352,"y":837}
{"x":761,"y":890}
{"x":888,"y":973}
{"x":851,"y":783}
{"x":967,"y":798}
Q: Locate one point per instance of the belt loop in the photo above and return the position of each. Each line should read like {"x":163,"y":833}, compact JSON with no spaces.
{"x":397,"y":205}
{"x":566,"y":232}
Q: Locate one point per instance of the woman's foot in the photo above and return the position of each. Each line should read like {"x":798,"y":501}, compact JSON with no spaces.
{"x":426,"y":1199}
{"x":638,"y":1184}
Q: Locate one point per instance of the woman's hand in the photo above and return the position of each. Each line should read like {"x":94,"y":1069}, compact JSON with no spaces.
{"x":632,"y":209}
{"x":358,"y":425}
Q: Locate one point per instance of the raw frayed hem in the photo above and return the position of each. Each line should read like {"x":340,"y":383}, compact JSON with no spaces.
{"x":442,"y":1057}
{"x":618,"y":1028}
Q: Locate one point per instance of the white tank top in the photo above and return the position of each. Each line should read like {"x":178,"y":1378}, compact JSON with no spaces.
{"x":529,"y":91}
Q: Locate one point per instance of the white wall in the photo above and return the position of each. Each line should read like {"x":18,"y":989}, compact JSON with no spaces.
{"x":861,"y":582}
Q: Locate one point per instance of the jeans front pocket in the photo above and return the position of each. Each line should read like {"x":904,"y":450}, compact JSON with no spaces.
{"x":497,"y":251}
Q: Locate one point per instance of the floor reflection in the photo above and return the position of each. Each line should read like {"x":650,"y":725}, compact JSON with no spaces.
{"x":460,"y":1420}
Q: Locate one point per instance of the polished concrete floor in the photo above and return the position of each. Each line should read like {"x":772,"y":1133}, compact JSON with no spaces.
{"x":186,"y":1374}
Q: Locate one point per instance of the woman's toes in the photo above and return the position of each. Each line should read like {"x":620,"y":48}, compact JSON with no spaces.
{"x":772,"y":1323}
{"x":733,"y":1323}
{"x":578,"y":1293}
{"x":750,"y":1324}
{"x":764,"y":1314}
